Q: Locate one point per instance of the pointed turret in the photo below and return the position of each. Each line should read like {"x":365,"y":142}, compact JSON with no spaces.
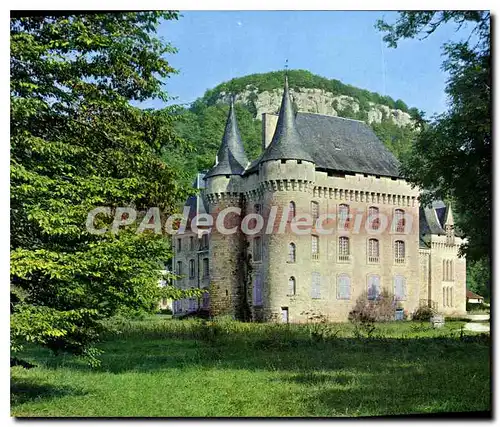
{"x":287,"y":142}
{"x":231,"y":157}
{"x":449,"y":217}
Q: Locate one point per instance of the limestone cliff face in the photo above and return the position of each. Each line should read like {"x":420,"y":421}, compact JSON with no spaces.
{"x":315,"y":101}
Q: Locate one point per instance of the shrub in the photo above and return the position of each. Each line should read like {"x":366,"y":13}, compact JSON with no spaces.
{"x":423,"y":314}
{"x":381,"y":309}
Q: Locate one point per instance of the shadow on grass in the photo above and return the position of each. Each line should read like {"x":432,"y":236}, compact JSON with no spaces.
{"x":23,"y":391}
{"x":334,"y":376}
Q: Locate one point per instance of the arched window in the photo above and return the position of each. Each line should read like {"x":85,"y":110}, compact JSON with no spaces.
{"x":444,"y":296}
{"x":444,"y":270}
{"x":257,"y":208}
{"x":291,"y":211}
{"x":343,"y":286}
{"x":191,"y":269}
{"x":315,"y":247}
{"x":291,"y":286}
{"x":257,"y":249}
{"x":206,"y":271}
{"x":343,"y":216}
{"x":314,"y":212}
{"x":450,"y":234}
{"x":399,"y":220}
{"x":399,"y":251}
{"x":291,"y":252}
{"x":257,"y":290}
{"x":399,"y":288}
{"x":373,"y":286}
{"x":344,"y":250}
{"x":373,"y":250}
{"x":373,"y":218}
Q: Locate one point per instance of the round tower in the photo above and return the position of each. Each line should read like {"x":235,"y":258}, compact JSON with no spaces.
{"x":227,"y":248}
{"x":286,"y":179}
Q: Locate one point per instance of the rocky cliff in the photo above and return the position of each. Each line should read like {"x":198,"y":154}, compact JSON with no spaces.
{"x":315,"y":100}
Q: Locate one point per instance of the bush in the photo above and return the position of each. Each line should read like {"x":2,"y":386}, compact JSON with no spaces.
{"x":477,"y":307}
{"x":423,"y":314}
{"x":381,"y":309}
{"x":164,"y":311}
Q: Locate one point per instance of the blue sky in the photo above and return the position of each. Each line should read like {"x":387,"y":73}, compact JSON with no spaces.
{"x":216,"y":46}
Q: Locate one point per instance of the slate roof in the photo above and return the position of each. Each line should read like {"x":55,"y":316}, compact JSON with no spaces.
{"x":432,"y":220}
{"x":287,"y":142}
{"x":231,"y":157}
{"x":345,"y":145}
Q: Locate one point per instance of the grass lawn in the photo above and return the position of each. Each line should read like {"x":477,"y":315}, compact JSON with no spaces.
{"x":170,"y":368}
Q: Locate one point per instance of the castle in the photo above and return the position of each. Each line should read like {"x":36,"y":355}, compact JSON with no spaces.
{"x":368,"y":231}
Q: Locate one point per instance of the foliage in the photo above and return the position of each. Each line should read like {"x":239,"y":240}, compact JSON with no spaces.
{"x":234,"y":376}
{"x":77,"y":143}
{"x":475,"y":307}
{"x":423,"y":314}
{"x":380,"y":309}
{"x":452,"y":155}
{"x":478,"y":278}
{"x":398,"y":139}
{"x":298,"y":79}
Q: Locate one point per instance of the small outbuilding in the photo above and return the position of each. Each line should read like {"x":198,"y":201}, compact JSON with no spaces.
{"x":473,"y":298}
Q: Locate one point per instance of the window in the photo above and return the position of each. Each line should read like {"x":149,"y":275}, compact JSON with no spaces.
{"x":373,"y":218}
{"x":191,"y":243}
{"x":399,"y":251}
{"x":343,"y":286}
{"x":291,"y":286}
{"x":399,"y":288}
{"x":344,"y":217}
{"x":179,"y":245}
{"x":343,"y":248}
{"x":373,"y":286}
{"x":191,"y":269}
{"x":447,"y":296}
{"x":373,"y":250}
{"x":450,"y":235}
{"x":257,"y":249}
{"x":206,"y":300}
{"x":204,"y":241}
{"x":291,"y":252}
{"x":316,"y":285}
{"x":179,"y":268}
{"x":314,"y":212}
{"x":192,"y":304}
{"x":448,"y":273}
{"x":257,"y":209}
{"x":399,"y":220}
{"x":205,"y":267}
{"x":315,"y":247}
{"x":257,"y":290}
{"x":291,"y":211}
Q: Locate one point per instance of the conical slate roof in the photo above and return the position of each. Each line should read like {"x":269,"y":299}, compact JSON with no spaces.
{"x":231,"y":156}
{"x":287,"y":142}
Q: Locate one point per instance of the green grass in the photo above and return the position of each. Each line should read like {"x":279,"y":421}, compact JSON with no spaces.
{"x":171,"y":368}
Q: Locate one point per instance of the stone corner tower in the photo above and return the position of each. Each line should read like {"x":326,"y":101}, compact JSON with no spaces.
{"x":224,"y":189}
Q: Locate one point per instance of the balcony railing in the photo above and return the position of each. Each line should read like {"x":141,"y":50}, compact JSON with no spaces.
{"x":373,"y":259}
{"x":344,"y":258}
{"x":399,"y":260}
{"x":315,"y":256}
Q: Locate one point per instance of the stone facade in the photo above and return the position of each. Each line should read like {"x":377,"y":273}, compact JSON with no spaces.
{"x":264,"y":278}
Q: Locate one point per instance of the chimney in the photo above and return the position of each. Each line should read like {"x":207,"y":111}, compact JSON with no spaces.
{"x":269,"y":122}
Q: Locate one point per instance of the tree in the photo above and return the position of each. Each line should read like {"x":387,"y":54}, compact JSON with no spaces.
{"x":77,"y":143}
{"x":452,"y":155}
